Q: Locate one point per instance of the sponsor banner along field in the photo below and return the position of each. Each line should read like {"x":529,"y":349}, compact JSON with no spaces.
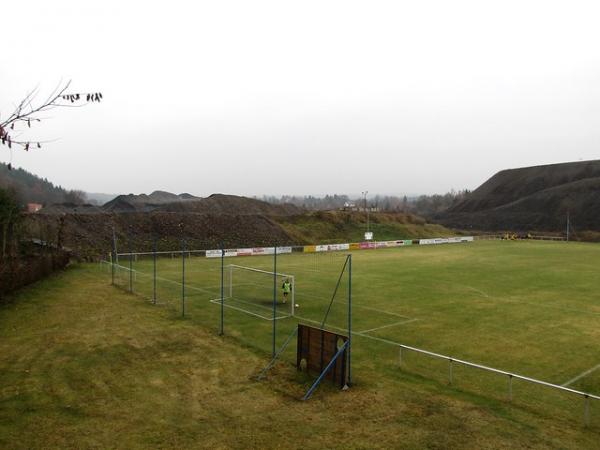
{"x":261,"y":251}
{"x":255,"y":251}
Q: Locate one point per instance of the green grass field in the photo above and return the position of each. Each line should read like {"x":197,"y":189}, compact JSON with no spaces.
{"x":531,"y":308}
{"x":87,"y":365}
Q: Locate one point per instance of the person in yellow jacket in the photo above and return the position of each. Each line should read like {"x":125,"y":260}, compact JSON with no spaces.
{"x":287,"y":288}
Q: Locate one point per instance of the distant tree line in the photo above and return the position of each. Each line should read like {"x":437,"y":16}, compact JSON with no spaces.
{"x":423,"y":205}
{"x":29,"y":188}
{"x":429,"y":205}
{"x":310,"y":202}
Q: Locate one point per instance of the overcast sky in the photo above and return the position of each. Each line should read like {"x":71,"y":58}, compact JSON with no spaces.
{"x":307,"y":97}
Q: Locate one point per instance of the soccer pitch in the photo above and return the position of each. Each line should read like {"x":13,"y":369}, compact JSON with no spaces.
{"x":527,"y":307}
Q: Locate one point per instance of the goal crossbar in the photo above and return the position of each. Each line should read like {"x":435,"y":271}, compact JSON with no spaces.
{"x":253,"y":269}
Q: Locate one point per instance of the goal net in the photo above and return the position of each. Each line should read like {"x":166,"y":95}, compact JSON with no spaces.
{"x":251,"y":290}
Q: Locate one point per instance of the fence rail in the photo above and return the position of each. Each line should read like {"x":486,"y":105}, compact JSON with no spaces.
{"x":585,"y":395}
{"x":451,"y":359}
{"x":172,"y":252}
{"x":511,"y":375}
{"x":490,"y":237}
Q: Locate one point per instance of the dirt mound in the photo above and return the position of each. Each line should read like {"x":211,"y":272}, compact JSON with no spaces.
{"x":144,"y":202}
{"x":71,"y":208}
{"x":215,"y":204}
{"x":532,"y":198}
{"x":231,"y":205}
{"x":90,"y":235}
{"x":140,"y":219}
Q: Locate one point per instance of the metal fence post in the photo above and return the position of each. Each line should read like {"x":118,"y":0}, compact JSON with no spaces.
{"x":274,"y":298}
{"x":114,"y":258}
{"x":349,"y":319}
{"x":222,"y":328}
{"x":112,"y":267}
{"x":182,"y":278}
{"x":130,"y":267}
{"x":450,"y":370}
{"x":154,"y":273}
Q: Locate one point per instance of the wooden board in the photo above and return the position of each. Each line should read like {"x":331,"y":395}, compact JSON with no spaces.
{"x":318,"y":347}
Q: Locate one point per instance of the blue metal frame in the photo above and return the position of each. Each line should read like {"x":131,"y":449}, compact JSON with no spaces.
{"x":309,"y":393}
{"x":337,"y":285}
{"x":279,"y":352}
{"x":349,"y":320}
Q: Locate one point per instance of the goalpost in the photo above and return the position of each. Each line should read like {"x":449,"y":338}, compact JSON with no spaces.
{"x":255,"y":287}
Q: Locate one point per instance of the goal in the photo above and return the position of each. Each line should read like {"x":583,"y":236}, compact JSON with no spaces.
{"x":254,"y":287}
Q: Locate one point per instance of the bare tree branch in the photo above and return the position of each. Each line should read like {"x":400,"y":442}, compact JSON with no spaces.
{"x":26,"y":113}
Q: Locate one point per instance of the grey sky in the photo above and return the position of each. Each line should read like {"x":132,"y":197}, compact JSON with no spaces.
{"x":311,"y":97}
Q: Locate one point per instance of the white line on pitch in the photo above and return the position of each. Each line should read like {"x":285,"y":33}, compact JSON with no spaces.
{"x":234,"y":299}
{"x":379,"y":310}
{"x":403,"y":322}
{"x":358,"y":305}
{"x":581,"y":375}
{"x":357,"y":333}
{"x":218,"y":301}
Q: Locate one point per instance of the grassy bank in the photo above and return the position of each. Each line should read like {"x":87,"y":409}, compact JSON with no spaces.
{"x":337,"y":226}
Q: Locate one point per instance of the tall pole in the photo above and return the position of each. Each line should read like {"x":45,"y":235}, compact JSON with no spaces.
{"x":368,"y":217}
{"x":364,"y":193}
{"x":115,"y":246}
{"x":154,"y":273}
{"x":182,"y":278}
{"x":349,"y":320}
{"x":130,"y":266}
{"x":568,"y":225}
{"x":221,"y":332}
{"x":114,"y":256}
{"x":274,"y":297}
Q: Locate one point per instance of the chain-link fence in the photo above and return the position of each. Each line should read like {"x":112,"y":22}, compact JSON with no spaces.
{"x":242,"y":293}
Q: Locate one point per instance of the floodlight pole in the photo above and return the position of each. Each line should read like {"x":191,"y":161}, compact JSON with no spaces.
{"x":274,"y":297}
{"x":568,"y":225}
{"x":364,"y":193}
{"x":222,"y":290}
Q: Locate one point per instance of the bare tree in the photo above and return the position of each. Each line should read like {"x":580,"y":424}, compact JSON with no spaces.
{"x":29,"y":112}
{"x":76,"y":197}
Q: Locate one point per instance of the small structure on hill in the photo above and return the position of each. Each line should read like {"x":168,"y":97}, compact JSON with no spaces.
{"x":34,"y":207}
